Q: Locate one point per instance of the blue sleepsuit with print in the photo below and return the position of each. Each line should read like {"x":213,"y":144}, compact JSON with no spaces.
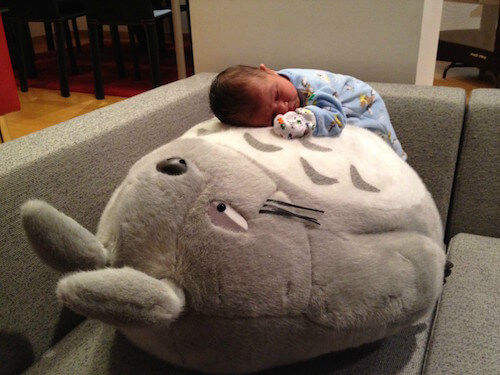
{"x":338,"y":100}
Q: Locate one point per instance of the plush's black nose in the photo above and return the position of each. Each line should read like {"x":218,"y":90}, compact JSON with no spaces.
{"x":172,"y":166}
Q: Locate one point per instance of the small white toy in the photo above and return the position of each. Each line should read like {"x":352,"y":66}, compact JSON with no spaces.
{"x":294,"y":124}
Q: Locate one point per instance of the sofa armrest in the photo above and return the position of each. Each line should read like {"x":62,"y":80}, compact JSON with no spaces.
{"x":75,"y":166}
{"x":465,"y":337}
{"x":476,"y":195}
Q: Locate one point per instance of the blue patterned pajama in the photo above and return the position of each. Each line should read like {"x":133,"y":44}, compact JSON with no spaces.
{"x":338,"y":100}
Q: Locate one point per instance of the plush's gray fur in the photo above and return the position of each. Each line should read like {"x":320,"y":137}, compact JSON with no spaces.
{"x":202,"y":294}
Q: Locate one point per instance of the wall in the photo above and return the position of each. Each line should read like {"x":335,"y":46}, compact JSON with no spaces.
{"x":374,"y":40}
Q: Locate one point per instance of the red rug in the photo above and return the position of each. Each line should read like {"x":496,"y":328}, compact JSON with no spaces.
{"x":48,"y":75}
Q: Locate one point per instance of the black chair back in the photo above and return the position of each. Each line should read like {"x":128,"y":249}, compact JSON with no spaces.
{"x":34,"y":10}
{"x":120,"y":12}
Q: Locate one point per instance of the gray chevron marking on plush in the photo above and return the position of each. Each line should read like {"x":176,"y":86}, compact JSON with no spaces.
{"x":359,"y":183}
{"x":313,"y":146}
{"x":202,"y":132}
{"x":316,"y":177}
{"x":252,"y":141}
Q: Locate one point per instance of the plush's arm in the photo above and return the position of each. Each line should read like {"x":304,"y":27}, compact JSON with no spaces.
{"x":122,"y":297}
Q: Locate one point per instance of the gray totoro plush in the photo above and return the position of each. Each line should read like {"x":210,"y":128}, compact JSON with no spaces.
{"x":232,"y":250}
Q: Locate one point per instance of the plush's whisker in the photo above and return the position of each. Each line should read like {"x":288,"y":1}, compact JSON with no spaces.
{"x":309,"y":219}
{"x":294,"y":205}
{"x":282,"y":212}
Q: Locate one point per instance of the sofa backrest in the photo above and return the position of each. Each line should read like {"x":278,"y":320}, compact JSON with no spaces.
{"x":475,"y":206}
{"x":428,"y":122}
{"x":75,"y":166}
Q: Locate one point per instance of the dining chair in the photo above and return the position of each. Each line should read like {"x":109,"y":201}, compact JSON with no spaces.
{"x":64,"y":5}
{"x":57,"y":13}
{"x":184,"y":8}
{"x":138,"y":32}
{"x":131,"y":13}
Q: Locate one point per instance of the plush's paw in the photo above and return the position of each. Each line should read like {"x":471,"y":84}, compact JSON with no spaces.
{"x":294,"y":124}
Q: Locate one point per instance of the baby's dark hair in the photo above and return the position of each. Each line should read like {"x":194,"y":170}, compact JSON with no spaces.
{"x":230,"y":93}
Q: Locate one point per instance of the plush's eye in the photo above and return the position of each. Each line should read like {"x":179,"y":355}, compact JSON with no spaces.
{"x":223,"y":215}
{"x":172,"y":166}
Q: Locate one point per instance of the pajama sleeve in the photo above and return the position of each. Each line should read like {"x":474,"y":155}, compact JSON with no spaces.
{"x":330,"y":116}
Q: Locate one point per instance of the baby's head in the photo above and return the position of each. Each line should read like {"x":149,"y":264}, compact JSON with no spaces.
{"x":251,"y":96}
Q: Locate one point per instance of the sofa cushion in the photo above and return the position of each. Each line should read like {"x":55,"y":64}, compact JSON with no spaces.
{"x":476,"y":197}
{"x":96,"y":348}
{"x":465,"y":337}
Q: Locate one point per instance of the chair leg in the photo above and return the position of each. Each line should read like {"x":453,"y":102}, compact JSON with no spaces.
{"x":69,"y":47}
{"x":76,"y":34}
{"x":21,"y":60}
{"x":96,"y":59}
{"x":154,"y":56}
{"x":188,"y":14}
{"x":140,"y":34}
{"x":29,"y":51}
{"x":61,"y":58}
{"x":100,"y":33}
{"x":171,"y":26}
{"x":117,"y":51}
{"x":49,"y":36}
{"x":161,"y":35}
{"x":134,"y":52}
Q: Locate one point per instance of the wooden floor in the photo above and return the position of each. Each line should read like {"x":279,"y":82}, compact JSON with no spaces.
{"x":43,"y":108}
{"x":466,"y":78}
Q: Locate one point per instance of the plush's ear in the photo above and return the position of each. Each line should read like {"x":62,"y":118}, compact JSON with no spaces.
{"x":122,"y":297}
{"x":59,"y":240}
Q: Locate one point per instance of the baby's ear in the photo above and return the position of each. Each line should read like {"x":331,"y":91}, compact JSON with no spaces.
{"x":264,"y":68}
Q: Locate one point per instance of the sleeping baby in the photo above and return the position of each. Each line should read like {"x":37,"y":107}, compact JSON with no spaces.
{"x":297,"y":102}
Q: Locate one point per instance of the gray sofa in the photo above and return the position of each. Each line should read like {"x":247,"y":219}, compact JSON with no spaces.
{"x":76,"y":165}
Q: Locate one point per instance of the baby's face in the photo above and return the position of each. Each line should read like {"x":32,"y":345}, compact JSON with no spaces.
{"x":273,"y":95}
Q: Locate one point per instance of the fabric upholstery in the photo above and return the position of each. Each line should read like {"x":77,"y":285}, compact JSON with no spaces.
{"x":466,"y":338}
{"x":428,"y":122}
{"x":75,"y":165}
{"x":96,"y":348}
{"x":476,"y":203}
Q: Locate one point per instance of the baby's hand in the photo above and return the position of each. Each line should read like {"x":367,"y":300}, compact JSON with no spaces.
{"x":294,"y":124}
